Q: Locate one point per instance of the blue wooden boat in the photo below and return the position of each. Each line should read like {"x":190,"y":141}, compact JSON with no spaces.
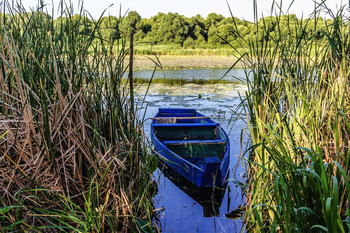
{"x":192,"y":144}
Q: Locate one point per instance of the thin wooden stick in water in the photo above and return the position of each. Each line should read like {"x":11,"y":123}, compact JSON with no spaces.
{"x":131,"y":78}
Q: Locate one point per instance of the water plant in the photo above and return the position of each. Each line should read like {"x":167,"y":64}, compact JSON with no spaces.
{"x":297,"y":108}
{"x":72,"y":158}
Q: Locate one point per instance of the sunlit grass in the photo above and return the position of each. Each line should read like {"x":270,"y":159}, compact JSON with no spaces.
{"x":178,"y":50}
{"x":297,"y":108}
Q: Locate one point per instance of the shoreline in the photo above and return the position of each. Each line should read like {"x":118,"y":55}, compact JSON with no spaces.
{"x":177,"y":62}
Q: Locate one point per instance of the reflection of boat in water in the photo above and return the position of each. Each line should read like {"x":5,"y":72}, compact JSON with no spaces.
{"x":209,"y":198}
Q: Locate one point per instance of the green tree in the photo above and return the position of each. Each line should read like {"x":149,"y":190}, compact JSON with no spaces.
{"x":197,"y":29}
{"x":213,"y":20}
{"x":132,"y":22}
{"x":110,"y":28}
{"x":168,"y":28}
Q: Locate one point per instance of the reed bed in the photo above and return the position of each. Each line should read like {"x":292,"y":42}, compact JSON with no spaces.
{"x":297,"y":108}
{"x":178,"y":50}
{"x":72,"y":157}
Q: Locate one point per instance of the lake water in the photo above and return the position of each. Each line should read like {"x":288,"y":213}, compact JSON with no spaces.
{"x":181,"y":207}
{"x":192,"y":74}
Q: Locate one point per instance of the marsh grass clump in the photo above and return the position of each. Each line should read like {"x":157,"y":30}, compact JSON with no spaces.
{"x":297,"y":107}
{"x":72,"y":157}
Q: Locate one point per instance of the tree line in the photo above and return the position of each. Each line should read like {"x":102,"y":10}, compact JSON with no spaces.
{"x":214,"y":31}
{"x":217,"y":31}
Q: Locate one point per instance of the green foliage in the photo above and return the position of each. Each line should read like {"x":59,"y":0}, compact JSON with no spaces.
{"x":217,"y":31}
{"x":110,"y":29}
{"x":297,"y":108}
{"x":132,"y":22}
{"x":168,"y":28}
{"x":197,"y":31}
{"x":214,"y":31}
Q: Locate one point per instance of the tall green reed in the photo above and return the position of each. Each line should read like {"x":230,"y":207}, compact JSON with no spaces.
{"x":71,"y":158}
{"x":297,"y":98}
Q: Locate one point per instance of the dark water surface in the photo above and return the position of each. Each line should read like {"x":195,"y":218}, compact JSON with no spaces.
{"x":182,"y":207}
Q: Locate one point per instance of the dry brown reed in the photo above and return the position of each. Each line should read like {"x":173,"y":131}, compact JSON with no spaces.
{"x":70,"y":159}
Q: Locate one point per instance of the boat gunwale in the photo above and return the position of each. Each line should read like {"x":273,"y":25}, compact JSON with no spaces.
{"x":173,"y":154}
{"x":191,"y":141}
{"x":185,"y":124}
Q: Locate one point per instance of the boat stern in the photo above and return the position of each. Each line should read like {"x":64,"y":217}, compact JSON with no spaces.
{"x":211,"y":171}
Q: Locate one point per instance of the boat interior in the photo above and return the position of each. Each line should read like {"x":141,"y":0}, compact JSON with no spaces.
{"x":191,"y":137}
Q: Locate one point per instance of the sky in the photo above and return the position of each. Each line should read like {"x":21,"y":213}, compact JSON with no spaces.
{"x":242,"y":9}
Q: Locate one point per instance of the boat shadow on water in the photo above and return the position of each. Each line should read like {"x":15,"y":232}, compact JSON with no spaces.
{"x":209,"y":198}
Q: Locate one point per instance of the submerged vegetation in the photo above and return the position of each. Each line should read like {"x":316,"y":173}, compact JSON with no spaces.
{"x":179,"y":81}
{"x":298,"y":115}
{"x":72,"y":157}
